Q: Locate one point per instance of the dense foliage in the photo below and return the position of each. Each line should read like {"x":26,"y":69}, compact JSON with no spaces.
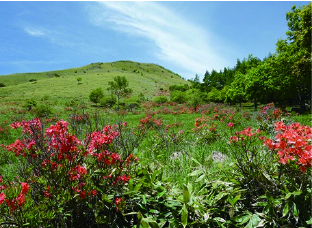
{"x":283,"y":77}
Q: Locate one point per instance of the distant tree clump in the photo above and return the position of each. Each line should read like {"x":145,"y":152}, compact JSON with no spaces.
{"x":96,"y":95}
{"x":119,"y":88}
{"x":160,"y":99}
{"x":178,"y":96}
{"x":79,"y":80}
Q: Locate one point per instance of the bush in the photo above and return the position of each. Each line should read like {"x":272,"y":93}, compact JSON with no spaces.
{"x":108,"y":101}
{"x":2,"y":85}
{"x":178,"y":97}
{"x":96,"y":95}
{"x":43,"y":110}
{"x":29,"y":104}
{"x":161,"y":99}
{"x":182,"y":88}
{"x":67,"y":182}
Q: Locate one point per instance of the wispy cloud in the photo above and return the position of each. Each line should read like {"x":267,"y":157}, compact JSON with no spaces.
{"x":34,"y":32}
{"x":183,"y":44}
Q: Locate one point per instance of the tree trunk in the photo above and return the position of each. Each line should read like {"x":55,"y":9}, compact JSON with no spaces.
{"x":255,"y":104}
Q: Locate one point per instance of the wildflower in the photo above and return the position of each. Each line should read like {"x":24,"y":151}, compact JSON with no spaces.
{"x":25,"y":188}
{"x":230,"y":124}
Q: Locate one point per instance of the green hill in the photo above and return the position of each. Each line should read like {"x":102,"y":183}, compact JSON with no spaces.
{"x":144,"y":78}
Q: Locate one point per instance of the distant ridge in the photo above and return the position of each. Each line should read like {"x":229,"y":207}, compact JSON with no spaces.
{"x":146,"y":78}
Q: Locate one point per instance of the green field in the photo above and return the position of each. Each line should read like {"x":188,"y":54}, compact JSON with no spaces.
{"x":187,"y":173}
{"x":62,"y":84}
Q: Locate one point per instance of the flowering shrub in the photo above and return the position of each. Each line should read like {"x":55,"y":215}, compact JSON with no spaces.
{"x":292,"y":144}
{"x":66,"y":174}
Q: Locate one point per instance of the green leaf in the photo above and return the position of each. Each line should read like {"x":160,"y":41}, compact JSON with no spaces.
{"x":296,"y":212}
{"x":186,"y":194}
{"x":137,"y":187}
{"x":232,"y":202}
{"x":194,"y":160}
{"x":143,"y":199}
{"x":242,"y":218}
{"x":309,"y":222}
{"x":154,"y":211}
{"x":253,"y":222}
{"x":184,"y":215}
{"x":287,"y":195}
{"x":286,"y":209}
{"x":200,"y":178}
{"x":297,"y":193}
{"x":148,"y":222}
{"x":196,"y":173}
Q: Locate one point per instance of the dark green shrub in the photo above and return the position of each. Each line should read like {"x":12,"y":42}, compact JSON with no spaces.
{"x":2,"y":84}
{"x":43,"y":110}
{"x":178,"y":96}
{"x":161,"y":99}
{"x":183,"y":88}
{"x":32,"y":80}
{"x":29,"y":104}
{"x":96,"y":95}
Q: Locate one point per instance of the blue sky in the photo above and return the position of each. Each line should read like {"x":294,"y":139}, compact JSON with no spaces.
{"x":185,"y":37}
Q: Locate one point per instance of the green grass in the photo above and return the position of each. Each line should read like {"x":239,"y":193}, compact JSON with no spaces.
{"x":143,"y":78}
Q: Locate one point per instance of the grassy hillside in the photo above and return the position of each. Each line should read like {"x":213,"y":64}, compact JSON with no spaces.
{"x":143,"y":78}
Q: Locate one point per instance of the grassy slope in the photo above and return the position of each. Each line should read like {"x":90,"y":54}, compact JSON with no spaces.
{"x":143,"y":78}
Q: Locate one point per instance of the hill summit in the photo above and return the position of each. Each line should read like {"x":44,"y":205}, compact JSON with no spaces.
{"x":145,"y":78}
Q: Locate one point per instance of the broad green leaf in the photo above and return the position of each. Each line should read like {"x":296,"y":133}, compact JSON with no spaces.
{"x":297,"y":193}
{"x":242,"y":218}
{"x":184,"y":215}
{"x":286,"y":209}
{"x":253,"y":222}
{"x":309,"y":222}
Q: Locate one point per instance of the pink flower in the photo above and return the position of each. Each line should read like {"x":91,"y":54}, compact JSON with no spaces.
{"x":118,"y":200}
{"x":230,"y":124}
{"x":2,"y":197}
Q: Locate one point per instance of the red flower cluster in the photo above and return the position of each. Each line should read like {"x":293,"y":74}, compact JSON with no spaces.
{"x":98,"y":139}
{"x":293,"y":143}
{"x":77,"y":172}
{"x":14,"y":203}
{"x":150,"y":122}
{"x":244,"y":135}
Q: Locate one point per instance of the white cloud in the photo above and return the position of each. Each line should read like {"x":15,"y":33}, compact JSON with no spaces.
{"x":34,"y":32}
{"x":181,"y":43}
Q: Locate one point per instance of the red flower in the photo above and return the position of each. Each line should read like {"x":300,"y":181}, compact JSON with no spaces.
{"x":118,"y":200}
{"x":25,"y":188}
{"x":230,"y":124}
{"x":82,"y":194}
{"x":20,"y":199}
{"x":2,"y":197}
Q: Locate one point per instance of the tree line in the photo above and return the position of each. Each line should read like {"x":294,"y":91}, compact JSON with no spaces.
{"x":283,"y":77}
